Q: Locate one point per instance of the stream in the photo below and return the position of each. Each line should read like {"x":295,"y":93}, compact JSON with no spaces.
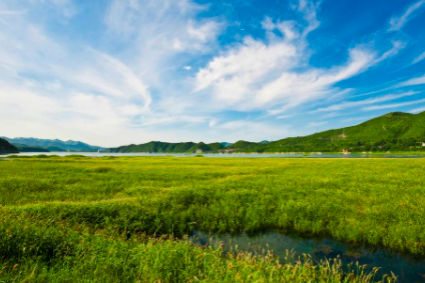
{"x":406,"y":267}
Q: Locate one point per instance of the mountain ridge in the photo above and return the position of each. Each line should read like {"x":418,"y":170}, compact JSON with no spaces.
{"x":393,"y":131}
{"x":54,"y":145}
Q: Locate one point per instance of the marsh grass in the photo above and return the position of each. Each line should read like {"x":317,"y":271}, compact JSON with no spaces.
{"x":99,"y":219}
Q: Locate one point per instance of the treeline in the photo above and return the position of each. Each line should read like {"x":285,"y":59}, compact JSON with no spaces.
{"x":6,"y":147}
{"x":164,"y":147}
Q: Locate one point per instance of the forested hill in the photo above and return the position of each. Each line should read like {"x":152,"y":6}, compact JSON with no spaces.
{"x":395,"y":131}
{"x":164,"y":147}
{"x":6,"y":147}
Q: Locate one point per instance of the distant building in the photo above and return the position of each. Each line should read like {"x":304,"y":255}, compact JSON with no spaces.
{"x":199,"y":151}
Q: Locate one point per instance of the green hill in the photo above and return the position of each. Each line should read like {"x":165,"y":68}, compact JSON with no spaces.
{"x":29,"y":148}
{"x":395,"y":131}
{"x":164,"y":147}
{"x":243,"y":144}
{"x":6,"y":147}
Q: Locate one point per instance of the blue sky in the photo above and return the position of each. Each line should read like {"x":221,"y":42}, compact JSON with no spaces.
{"x":115,"y":72}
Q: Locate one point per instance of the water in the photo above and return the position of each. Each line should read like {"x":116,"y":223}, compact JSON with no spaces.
{"x":253,"y":155}
{"x":406,"y":267}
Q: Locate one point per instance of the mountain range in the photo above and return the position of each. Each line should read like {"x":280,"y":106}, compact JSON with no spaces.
{"x":51,"y":145}
{"x":396,"y":131}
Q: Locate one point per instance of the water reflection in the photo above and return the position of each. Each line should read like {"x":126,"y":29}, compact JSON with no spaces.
{"x":406,"y":267}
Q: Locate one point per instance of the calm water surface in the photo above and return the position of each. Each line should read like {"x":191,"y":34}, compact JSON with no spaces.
{"x":406,"y":267}
{"x":223,"y":155}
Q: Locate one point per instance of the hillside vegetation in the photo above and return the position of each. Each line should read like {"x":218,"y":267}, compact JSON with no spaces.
{"x":395,"y":131}
{"x":164,"y":147}
{"x":6,"y":147}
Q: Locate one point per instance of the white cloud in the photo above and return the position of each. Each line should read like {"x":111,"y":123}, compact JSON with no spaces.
{"x":412,"y":82}
{"x":316,"y":124}
{"x":80,"y":90}
{"x":12,"y":13}
{"x":419,"y":58}
{"x":66,"y":7}
{"x":233,"y":74}
{"x":281,"y":117}
{"x":397,"y":23}
{"x":355,"y":119}
{"x":397,"y":46}
{"x":293,"y":89}
{"x":160,"y":33}
{"x":274,"y":74}
{"x":352,"y":104}
{"x":132,"y":87}
{"x":248,"y":130}
{"x":394,"y":105}
{"x":417,"y":110}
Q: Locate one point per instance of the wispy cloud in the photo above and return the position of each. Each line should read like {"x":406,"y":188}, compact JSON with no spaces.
{"x":394,"y":105}
{"x":419,"y":58}
{"x":352,"y":104}
{"x":93,"y":90}
{"x":397,"y":23}
{"x":267,"y":75}
{"x":12,"y":12}
{"x":417,"y":110}
{"x":140,"y":70}
{"x":281,"y":117}
{"x":316,"y":124}
{"x":412,"y":82}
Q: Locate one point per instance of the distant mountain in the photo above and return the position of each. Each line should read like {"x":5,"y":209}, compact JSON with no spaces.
{"x":226,"y":144}
{"x":395,"y":131}
{"x":164,"y":147}
{"x":264,"y":141}
{"x":6,"y":147}
{"x":54,"y":145}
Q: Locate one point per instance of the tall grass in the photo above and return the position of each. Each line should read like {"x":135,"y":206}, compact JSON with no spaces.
{"x":82,"y":218}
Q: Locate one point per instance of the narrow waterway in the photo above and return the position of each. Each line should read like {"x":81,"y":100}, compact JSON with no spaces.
{"x":407,"y":268}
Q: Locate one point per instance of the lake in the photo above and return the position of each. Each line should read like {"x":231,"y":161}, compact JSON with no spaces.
{"x":227,"y":155}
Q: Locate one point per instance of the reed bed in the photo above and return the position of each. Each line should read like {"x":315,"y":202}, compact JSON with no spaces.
{"x":79,"y":219}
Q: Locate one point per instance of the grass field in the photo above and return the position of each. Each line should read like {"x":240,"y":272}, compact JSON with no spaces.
{"x":77,"y":219}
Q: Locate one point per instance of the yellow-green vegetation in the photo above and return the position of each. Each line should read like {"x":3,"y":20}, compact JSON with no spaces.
{"x":79,"y":219}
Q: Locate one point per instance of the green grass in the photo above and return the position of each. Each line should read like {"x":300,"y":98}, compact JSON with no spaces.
{"x":86,"y":219}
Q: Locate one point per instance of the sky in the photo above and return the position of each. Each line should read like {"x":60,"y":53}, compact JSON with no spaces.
{"x":117,"y":72}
